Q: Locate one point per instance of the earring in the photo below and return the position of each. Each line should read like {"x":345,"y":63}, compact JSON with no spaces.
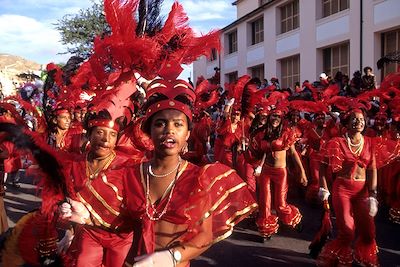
{"x":185,"y":149}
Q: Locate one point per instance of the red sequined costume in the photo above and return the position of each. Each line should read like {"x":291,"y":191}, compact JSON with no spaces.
{"x":315,"y":142}
{"x":211,"y":192}
{"x":109,"y":238}
{"x":349,"y":202}
{"x":289,"y":215}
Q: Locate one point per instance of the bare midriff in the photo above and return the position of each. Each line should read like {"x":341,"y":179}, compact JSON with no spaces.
{"x":276,"y":159}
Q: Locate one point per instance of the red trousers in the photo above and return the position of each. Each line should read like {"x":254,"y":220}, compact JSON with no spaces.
{"x":288,"y":214}
{"x":95,"y":247}
{"x":351,"y":209}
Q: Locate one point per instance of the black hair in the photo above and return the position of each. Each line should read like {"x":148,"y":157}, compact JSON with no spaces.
{"x":146,"y":126}
{"x":345,"y":118}
{"x":272,"y":133}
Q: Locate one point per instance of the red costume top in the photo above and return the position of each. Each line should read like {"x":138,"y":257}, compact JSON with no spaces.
{"x":199,"y":192}
{"x":338,"y":155}
{"x":102,"y":195}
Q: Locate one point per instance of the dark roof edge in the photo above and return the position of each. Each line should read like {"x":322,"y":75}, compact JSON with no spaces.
{"x":255,"y":11}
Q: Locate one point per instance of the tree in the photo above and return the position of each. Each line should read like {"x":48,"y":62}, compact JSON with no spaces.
{"x":78,"y":31}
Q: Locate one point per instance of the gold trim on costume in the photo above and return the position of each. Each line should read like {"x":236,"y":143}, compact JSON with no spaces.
{"x":91,"y":210}
{"x":113,"y":187}
{"x":101,"y":199}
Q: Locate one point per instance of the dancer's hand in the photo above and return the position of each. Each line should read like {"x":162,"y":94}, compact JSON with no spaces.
{"x":323,"y":194}
{"x":372,"y":206}
{"x":74,"y":211}
{"x":157,"y":259}
{"x":230,"y":102}
{"x":257,"y":171}
{"x":303,"y":180}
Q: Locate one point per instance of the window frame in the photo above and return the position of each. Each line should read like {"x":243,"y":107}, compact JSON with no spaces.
{"x":289,"y":72}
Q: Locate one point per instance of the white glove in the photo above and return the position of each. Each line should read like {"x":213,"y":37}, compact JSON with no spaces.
{"x":372,"y":206}
{"x":85,"y":96}
{"x":323,"y":194}
{"x":74,"y":211}
{"x":208,"y":146}
{"x":157,"y":259}
{"x":65,"y":210}
{"x":65,"y":242}
{"x":257,"y":171}
{"x":230,"y":102}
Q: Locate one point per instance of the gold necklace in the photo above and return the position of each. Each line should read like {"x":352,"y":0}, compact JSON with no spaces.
{"x":171,"y":187}
{"x":91,"y":174}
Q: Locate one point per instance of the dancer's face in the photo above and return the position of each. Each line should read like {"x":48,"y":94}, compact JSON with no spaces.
{"x":63,"y":120}
{"x":357,"y":122}
{"x":169,"y":132}
{"x":102,"y":141}
{"x":275,"y":120}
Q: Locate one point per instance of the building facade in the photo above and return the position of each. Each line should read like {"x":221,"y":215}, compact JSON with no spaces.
{"x":296,"y":40}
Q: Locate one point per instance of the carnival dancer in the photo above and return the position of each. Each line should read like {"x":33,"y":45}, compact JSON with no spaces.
{"x":276,"y":143}
{"x":352,"y":160}
{"x":102,"y":240}
{"x":180,"y":205}
{"x":60,"y":135}
{"x":316,"y":136}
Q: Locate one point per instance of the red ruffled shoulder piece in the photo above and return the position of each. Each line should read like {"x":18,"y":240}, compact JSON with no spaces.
{"x":225,"y":199}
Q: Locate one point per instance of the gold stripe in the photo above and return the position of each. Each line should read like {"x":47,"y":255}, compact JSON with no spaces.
{"x":224,"y":196}
{"x":230,"y":224}
{"x":101,"y":199}
{"x":219,"y":177}
{"x":93,"y":212}
{"x":113,"y":187}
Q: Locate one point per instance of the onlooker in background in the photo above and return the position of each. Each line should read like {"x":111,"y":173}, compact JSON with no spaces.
{"x":275,"y":81}
{"x":264,"y":84}
{"x":355,"y":84}
{"x":368,"y":79}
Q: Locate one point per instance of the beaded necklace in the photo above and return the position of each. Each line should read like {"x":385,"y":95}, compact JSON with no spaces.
{"x":157,"y":216}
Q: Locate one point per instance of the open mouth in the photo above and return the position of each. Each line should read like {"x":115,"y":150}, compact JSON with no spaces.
{"x":168,"y":143}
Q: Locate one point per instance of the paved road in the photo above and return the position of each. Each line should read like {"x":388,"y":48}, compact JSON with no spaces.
{"x":243,"y":248}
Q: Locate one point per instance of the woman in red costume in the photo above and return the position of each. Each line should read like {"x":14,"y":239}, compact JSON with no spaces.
{"x":61,"y":135}
{"x":102,"y":237}
{"x":229,"y":133}
{"x":352,"y":161}
{"x":276,"y":143}
{"x":182,"y":208}
{"x":316,"y":136}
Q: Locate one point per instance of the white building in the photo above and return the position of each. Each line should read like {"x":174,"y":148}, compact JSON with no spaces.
{"x":296,"y":40}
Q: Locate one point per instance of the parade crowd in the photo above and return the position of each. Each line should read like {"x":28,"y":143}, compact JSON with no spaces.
{"x":138,"y":168}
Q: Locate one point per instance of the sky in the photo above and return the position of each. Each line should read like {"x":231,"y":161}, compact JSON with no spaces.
{"x":27,"y":27}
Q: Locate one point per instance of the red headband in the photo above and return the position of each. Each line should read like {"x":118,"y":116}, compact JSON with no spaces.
{"x":104,"y":123}
{"x":171,"y":90}
{"x":60,"y":111}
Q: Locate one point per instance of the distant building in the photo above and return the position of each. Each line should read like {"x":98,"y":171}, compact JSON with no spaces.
{"x":297,"y":40}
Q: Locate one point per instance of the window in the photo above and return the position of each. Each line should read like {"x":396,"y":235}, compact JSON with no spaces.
{"x":257,"y":72}
{"x":257,"y":31}
{"x":336,"y":58}
{"x":290,"y":16}
{"x":330,"y":7}
{"x":213,"y":55}
{"x":232,"y":77}
{"x":290,"y":71}
{"x":391,"y":43}
{"x":232,"y":42}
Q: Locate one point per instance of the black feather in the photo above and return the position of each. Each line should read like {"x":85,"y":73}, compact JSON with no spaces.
{"x":149,"y":20}
{"x":389,"y":58}
{"x":47,"y":162}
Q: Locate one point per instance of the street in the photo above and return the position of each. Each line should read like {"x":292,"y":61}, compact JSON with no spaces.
{"x":244,"y":246}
